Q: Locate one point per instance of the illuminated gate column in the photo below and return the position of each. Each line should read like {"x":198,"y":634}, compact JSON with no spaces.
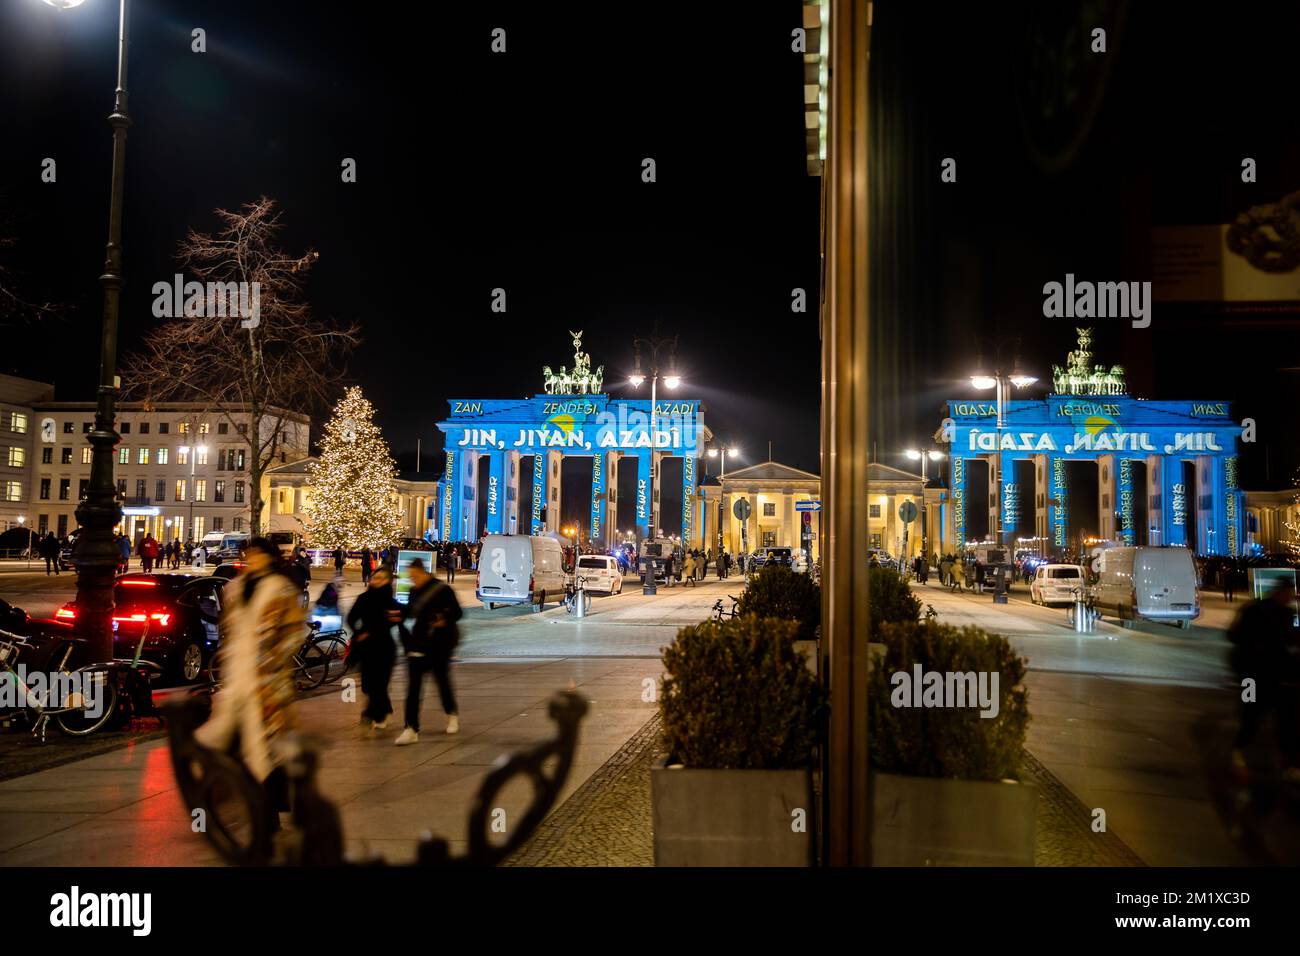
{"x":510,"y":498}
{"x":1210,"y":508}
{"x":1156,"y":500}
{"x":1177,"y":495}
{"x":611,"y":498}
{"x":447,"y":499}
{"x":957,"y":469}
{"x":642,"y":493}
{"x":688,"y":501}
{"x":466,"y":499}
{"x":1106,"y":503}
{"x":538,"y":504}
{"x":1008,"y":499}
{"x":656,"y":460}
{"x":596,"y":528}
{"x":553,"y":459}
{"x":496,"y":487}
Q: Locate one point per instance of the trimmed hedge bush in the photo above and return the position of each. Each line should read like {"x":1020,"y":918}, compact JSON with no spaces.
{"x":891,"y":600}
{"x":738,"y":696}
{"x":779,"y":591}
{"x":945,"y":741}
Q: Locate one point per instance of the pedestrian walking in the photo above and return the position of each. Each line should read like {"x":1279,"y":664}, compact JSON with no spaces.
{"x":367,"y":565}
{"x":371,"y":620}
{"x":124,"y":552}
{"x":339,"y":558}
{"x":451,"y":556}
{"x":48,"y":548}
{"x":430,"y":640}
{"x":261,"y":627}
{"x":1266,"y":649}
{"x":148,"y":552}
{"x":688,"y":569}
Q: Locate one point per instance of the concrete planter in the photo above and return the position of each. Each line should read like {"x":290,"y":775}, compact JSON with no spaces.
{"x":731,"y":817}
{"x":930,"y":821}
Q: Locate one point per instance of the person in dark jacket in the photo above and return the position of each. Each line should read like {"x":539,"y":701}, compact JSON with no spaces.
{"x":371,"y":622}
{"x":1265,"y":650}
{"x":340,"y":556}
{"x":367,"y":565}
{"x":48,"y":548}
{"x":432,"y":636}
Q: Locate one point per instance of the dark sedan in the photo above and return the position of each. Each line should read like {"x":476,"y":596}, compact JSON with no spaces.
{"x":181,"y":612}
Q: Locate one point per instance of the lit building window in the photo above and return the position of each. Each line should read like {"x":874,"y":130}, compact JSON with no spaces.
{"x":201,"y":489}
{"x":17,"y":457}
{"x":163,"y":455}
{"x":144,"y":456}
{"x":180,"y":489}
{"x":124,"y":456}
{"x":13,"y":491}
{"x":87,"y":453}
{"x":201,"y":454}
{"x":183,"y":455}
{"x":18,"y":423}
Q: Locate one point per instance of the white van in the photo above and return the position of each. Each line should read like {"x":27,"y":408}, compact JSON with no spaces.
{"x":599,"y":572}
{"x":1158,"y":584}
{"x":520,"y":569}
{"x":1056,"y":584}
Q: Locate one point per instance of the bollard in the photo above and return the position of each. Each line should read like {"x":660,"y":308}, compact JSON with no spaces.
{"x":1082,"y":617}
{"x":580,"y":603}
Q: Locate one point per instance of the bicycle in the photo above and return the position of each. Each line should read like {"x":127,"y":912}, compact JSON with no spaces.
{"x":312,"y":663}
{"x":571,"y":595}
{"x":719,"y":613}
{"x":72,"y":715}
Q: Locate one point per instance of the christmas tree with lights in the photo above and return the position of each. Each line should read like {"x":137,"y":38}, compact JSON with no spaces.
{"x":354,"y":498}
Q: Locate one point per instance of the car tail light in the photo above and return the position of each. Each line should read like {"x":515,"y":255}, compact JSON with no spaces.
{"x":163,"y":618}
{"x":138,"y":583}
{"x":65,"y":614}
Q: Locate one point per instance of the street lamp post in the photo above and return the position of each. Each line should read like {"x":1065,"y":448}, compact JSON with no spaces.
{"x":22,"y":520}
{"x":723,"y":453}
{"x":924,"y":457}
{"x":671,"y":380}
{"x":192,"y":454}
{"x":1000,"y":380}
{"x":98,"y":513}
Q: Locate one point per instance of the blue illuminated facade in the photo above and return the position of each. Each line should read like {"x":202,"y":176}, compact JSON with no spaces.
{"x":1167,"y":471}
{"x":535,"y":433}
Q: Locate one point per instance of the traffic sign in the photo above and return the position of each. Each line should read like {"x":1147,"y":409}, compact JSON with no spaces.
{"x":807,"y":506}
{"x":742,"y":509}
{"x":907,"y":512}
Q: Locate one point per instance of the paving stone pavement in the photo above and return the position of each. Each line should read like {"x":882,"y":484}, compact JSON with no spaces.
{"x":1063,"y":834}
{"x":607,"y":821}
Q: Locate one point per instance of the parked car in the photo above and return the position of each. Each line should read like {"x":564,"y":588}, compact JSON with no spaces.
{"x":600,"y":572}
{"x":520,"y":569}
{"x":770,"y":555}
{"x":1054,"y":584}
{"x":1158,"y":584}
{"x":181,"y":611}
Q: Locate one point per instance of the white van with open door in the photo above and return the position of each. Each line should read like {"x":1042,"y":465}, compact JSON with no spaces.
{"x":1158,"y":584}
{"x":520,"y":569}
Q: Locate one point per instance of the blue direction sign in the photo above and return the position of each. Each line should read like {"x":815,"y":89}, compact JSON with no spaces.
{"x":807,"y":506}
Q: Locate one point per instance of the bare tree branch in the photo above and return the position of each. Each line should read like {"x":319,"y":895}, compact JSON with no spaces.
{"x":289,"y":363}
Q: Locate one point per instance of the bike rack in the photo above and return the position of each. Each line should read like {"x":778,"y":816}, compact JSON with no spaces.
{"x":207,"y":779}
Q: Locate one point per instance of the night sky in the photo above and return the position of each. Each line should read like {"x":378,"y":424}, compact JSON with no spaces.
{"x":476,"y":171}
{"x":522,"y":171}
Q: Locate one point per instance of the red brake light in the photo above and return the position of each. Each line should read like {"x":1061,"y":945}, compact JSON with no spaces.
{"x":138,"y":583}
{"x":162,"y":617}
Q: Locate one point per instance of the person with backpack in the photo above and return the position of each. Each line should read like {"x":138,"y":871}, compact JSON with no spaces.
{"x":430,"y":639}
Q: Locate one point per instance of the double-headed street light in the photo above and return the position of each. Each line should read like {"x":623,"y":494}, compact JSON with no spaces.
{"x":916,"y":454}
{"x":99,"y":512}
{"x":671,"y":380}
{"x":1001,"y":381}
{"x":724,"y":454}
{"x":192,"y":454}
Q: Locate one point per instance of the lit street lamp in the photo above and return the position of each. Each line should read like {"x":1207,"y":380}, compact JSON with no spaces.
{"x":97,"y":556}
{"x":22,"y":520}
{"x":1001,"y":380}
{"x":197,"y":450}
{"x":724,"y":454}
{"x":671,"y":380}
{"x":924,"y":457}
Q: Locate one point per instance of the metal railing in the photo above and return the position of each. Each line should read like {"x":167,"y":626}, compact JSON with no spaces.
{"x":241,"y":819}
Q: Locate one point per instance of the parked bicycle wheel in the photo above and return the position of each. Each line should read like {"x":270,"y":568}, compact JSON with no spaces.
{"x":90,"y":708}
{"x":335,"y":650}
{"x":311,"y":667}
